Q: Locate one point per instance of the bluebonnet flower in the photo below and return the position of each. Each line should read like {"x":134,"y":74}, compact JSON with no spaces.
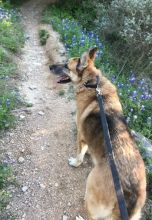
{"x":142,"y":97}
{"x":134,"y":94}
{"x":8,"y":103}
{"x":149,"y":120}
{"x":142,"y":108}
{"x":141,"y":82}
{"x":4,"y":14}
{"x":120,"y":85}
{"x":132,"y":79}
{"x":90,"y":34}
{"x":128,"y":119}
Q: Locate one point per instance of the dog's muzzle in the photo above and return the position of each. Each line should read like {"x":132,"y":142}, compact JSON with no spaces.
{"x":62,"y":70}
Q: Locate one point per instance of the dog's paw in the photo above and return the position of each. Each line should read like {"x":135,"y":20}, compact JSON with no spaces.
{"x":79,"y":218}
{"x":73,"y":162}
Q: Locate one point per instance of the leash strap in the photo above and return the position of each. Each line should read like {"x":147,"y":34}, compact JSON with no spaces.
{"x":109,"y":152}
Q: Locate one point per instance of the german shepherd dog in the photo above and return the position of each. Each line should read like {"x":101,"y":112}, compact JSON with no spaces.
{"x":100,"y":197}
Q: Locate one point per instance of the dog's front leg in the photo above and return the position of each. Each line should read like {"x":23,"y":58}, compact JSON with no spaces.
{"x":82,"y":148}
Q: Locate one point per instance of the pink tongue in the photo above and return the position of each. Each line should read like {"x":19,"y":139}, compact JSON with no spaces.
{"x":61,"y":78}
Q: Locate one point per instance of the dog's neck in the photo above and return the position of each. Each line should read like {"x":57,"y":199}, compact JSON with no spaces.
{"x":81,"y":86}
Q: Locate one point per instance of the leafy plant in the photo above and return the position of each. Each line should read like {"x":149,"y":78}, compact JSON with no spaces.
{"x":135,"y":94}
{"x":61,"y":93}
{"x":6,"y":178}
{"x":44,"y":35}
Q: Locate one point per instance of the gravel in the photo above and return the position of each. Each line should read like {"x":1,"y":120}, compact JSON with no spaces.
{"x":39,"y":147}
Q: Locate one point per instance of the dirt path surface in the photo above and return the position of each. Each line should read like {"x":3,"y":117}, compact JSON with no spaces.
{"x":39,"y":147}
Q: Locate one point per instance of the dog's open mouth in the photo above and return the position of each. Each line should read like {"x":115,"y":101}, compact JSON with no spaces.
{"x":63,"y":79}
{"x":62,"y":71}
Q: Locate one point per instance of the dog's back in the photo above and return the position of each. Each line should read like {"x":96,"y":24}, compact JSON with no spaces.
{"x":100,"y":194}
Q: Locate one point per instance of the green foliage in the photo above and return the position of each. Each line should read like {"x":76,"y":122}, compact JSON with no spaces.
{"x":125,"y":25}
{"x":9,"y":3}
{"x":83,"y":11}
{"x":11,"y":40}
{"x":11,"y":35}
{"x":44,"y":35}
{"x":61,"y":93}
{"x":135,"y":94}
{"x":6,"y":178}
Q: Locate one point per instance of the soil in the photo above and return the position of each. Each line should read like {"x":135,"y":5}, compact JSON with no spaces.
{"x":39,"y":147}
{"x":47,"y":188}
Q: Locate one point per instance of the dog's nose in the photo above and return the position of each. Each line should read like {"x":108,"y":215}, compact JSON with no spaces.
{"x":66,"y":66}
{"x":51,"y":67}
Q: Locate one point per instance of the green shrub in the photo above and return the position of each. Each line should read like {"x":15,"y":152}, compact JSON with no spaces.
{"x":135,"y":94}
{"x":44,"y":35}
{"x":126,"y":25}
{"x":11,"y":35}
{"x":6,"y":178}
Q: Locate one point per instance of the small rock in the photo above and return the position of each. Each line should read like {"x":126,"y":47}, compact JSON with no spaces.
{"x":79,"y":218}
{"x":22,"y":116}
{"x":32,"y":88}
{"x":65,"y":217}
{"x":24,"y":188}
{"x":41,"y":113}
{"x":8,"y":207}
{"x":56,"y":184}
{"x":42,"y":185}
{"x":21,"y":160}
{"x":69,"y":204}
{"x":11,"y":134}
{"x":22,"y":150}
{"x":42,"y":148}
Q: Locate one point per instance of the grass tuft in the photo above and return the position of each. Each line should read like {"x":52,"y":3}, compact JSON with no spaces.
{"x":44,"y":35}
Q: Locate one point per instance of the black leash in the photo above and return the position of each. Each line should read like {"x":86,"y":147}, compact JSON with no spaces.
{"x":109,"y":152}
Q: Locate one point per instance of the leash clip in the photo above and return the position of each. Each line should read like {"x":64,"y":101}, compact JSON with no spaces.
{"x":98,"y":90}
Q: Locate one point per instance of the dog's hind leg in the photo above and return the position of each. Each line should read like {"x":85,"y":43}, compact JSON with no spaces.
{"x":82,"y":149}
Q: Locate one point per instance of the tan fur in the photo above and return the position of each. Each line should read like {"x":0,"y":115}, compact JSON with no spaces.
{"x":100,"y":198}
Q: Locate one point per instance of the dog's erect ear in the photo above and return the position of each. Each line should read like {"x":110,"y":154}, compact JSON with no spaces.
{"x":92,"y":53}
{"x":83,"y":62}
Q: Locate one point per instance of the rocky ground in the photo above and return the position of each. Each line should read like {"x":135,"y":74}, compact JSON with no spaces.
{"x":39,"y":147}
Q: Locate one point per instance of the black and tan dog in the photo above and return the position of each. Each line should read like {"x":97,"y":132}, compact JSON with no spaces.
{"x":100,"y":198}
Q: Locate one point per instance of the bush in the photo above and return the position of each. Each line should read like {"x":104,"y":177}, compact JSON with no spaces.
{"x":43,"y":34}
{"x":135,"y":94}
{"x":127,"y":24}
{"x":11,"y":35}
{"x":11,"y":40}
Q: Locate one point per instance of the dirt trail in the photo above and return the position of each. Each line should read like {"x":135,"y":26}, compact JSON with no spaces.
{"x":41,"y":144}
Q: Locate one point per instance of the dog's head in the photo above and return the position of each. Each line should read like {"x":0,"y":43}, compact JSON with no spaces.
{"x":76,"y":69}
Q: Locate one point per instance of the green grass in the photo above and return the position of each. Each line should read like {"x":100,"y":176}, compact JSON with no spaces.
{"x":11,"y":35}
{"x":6,"y":178}
{"x":44,"y":35}
{"x":11,"y":42}
{"x":131,"y":89}
{"x":61,"y":93}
